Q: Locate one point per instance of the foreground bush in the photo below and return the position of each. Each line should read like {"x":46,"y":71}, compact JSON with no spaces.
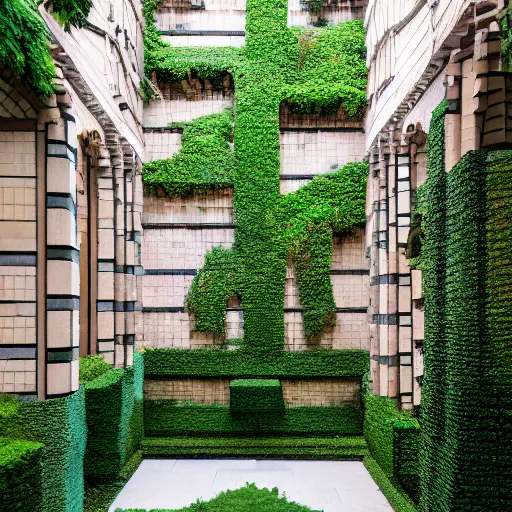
{"x":246,"y":499}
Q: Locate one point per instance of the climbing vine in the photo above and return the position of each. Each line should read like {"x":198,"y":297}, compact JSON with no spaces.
{"x":332,"y":71}
{"x":271,"y":229}
{"x":204,"y":162}
{"x":70,"y":12}
{"x":24,"y":45}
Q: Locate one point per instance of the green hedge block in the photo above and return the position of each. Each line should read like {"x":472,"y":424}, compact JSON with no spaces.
{"x":393,"y":438}
{"x":164,"y":362}
{"x":166,"y":418}
{"x":396,"y":496}
{"x":247,"y":396}
{"x":20,"y":475}
{"x":302,"y":448}
{"x":59,"y":424}
{"x":114,"y":420}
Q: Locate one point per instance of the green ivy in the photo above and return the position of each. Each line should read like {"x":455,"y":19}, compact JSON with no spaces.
{"x":416,"y":236}
{"x":506,"y":37}
{"x":468,"y":365}
{"x":396,"y":496}
{"x":70,"y":12}
{"x":59,"y":425}
{"x":176,"y":64}
{"x":24,"y":45}
{"x":287,"y":448}
{"x":204,"y":162}
{"x":99,"y":496}
{"x":92,"y":367}
{"x":270,"y":228}
{"x":113,"y":404}
{"x":332,"y":71}
{"x":393,"y":438}
{"x":434,"y":275}
{"x":167,"y":418}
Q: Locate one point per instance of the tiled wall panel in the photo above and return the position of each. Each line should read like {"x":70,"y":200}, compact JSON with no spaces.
{"x":159,"y":113}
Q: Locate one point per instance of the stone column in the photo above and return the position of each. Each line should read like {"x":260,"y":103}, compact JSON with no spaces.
{"x":61,"y":332}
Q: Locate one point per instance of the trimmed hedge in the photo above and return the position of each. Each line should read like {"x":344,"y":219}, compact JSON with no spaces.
{"x":98,"y":498}
{"x":393,"y":438}
{"x":114,"y":420}
{"x":247,"y":396}
{"x":92,"y":367}
{"x":311,"y":448}
{"x":165,"y":418}
{"x":248,"y":498}
{"x":467,"y":429}
{"x":59,"y":424}
{"x":20,"y":475}
{"x":397,"y":498}
{"x":242,"y":363}
{"x":434,"y":276}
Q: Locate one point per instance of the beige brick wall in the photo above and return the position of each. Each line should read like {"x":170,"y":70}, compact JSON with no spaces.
{"x":160,"y":113}
{"x":181,"y":248}
{"x":329,"y":392}
{"x":165,"y":330}
{"x":161,"y":144}
{"x":319,"y":152}
{"x":17,"y":283}
{"x":17,"y":376}
{"x":213,"y":207}
{"x":189,"y":390}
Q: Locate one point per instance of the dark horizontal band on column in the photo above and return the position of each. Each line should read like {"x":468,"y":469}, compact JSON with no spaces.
{"x":62,"y":354}
{"x":62,"y":303}
{"x":63,"y":253}
{"x":384,"y":279}
{"x":17,"y":353}
{"x":384,"y":319}
{"x":61,"y":201}
{"x":17,"y":260}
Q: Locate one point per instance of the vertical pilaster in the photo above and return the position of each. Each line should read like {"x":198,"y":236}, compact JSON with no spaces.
{"x":106,"y":252}
{"x":62,"y":254}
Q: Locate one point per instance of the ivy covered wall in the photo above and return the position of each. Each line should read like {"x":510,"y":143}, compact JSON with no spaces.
{"x":322,"y":71}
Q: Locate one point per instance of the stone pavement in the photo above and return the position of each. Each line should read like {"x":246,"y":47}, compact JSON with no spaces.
{"x":321,"y":485}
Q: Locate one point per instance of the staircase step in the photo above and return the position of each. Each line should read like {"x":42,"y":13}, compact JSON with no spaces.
{"x":300,"y":448}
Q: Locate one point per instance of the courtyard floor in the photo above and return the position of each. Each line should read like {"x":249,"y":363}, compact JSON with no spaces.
{"x":328,"y":486}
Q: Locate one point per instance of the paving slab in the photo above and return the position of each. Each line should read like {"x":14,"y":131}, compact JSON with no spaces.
{"x":329,"y":486}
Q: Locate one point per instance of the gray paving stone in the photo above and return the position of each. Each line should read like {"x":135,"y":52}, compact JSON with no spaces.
{"x":328,"y":486}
